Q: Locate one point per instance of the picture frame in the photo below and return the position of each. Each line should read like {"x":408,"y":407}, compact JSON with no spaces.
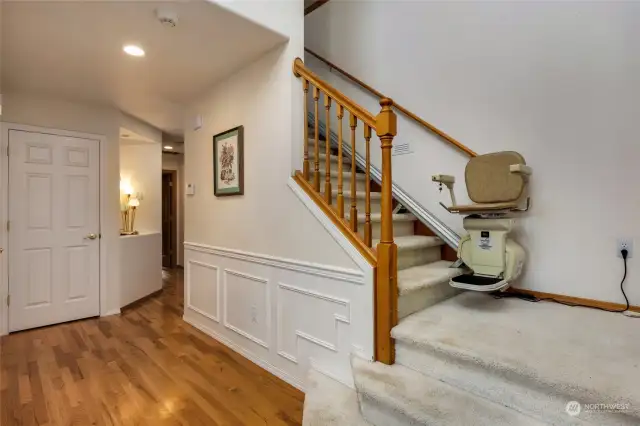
{"x":228,"y":162}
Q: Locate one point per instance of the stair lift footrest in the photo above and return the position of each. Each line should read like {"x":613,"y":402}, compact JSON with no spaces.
{"x":478,"y":282}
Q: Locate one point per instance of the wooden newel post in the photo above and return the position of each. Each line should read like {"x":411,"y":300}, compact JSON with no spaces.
{"x":387,"y":269}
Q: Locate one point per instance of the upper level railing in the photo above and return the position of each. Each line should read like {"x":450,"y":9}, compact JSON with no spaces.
{"x":385,"y":257}
{"x":400,"y":108}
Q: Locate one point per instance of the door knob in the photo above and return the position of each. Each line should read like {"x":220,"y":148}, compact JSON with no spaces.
{"x":1,"y":250}
{"x":91,"y":236}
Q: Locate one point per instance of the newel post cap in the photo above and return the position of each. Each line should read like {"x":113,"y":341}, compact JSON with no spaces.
{"x":386,"y":120}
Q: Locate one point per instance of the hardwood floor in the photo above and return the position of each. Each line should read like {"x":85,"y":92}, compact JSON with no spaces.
{"x":143,"y":367}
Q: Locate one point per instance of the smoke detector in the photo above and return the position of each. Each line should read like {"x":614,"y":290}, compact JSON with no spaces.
{"x":167,"y":17}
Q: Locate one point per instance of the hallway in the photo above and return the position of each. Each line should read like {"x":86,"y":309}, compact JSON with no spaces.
{"x":143,"y":367}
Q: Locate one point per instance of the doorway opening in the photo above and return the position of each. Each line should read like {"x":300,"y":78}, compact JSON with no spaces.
{"x":169,"y":218}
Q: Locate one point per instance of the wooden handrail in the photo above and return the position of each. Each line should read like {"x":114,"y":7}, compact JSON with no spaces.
{"x":300,"y":70}
{"x":400,"y":108}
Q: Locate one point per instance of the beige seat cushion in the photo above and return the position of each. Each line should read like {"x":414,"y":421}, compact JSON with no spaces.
{"x":478,"y":208}
{"x":489,"y":179}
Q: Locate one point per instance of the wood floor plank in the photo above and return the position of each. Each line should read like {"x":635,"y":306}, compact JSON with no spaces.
{"x":143,"y":367}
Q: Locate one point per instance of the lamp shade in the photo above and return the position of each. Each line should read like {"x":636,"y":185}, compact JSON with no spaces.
{"x":134,"y":202}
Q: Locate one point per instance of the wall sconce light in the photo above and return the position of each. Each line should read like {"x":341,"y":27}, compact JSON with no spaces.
{"x":128,"y":207}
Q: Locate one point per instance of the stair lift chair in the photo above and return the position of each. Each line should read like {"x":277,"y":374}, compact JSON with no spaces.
{"x":496,"y":183}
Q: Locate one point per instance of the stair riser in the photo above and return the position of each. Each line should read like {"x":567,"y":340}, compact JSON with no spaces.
{"x":334,"y":162}
{"x":418,"y":300}
{"x":400,"y":229}
{"x":346,"y":182}
{"x":360,"y":204}
{"x":380,"y":415}
{"x":409,"y":258}
{"x":523,"y":395}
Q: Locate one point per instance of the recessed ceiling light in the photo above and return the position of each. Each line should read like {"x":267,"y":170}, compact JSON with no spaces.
{"x":133,"y":50}
{"x":168,"y":147}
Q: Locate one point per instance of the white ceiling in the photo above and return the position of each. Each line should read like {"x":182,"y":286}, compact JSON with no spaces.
{"x":73,"y":50}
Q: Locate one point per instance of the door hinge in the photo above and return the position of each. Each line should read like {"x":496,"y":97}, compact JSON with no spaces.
{"x":7,"y":150}
{"x":8,"y":300}
{"x":8,"y":226}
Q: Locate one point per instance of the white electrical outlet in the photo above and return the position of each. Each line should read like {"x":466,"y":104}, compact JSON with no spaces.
{"x":254,"y":314}
{"x":625,"y":244}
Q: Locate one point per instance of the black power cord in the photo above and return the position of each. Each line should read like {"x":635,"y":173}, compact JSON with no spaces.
{"x":534,"y":299}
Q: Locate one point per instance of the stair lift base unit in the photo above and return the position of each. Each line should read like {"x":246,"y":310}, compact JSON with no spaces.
{"x":496,"y":183}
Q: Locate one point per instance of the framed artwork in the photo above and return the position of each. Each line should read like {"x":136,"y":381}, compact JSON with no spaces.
{"x":228,"y":162}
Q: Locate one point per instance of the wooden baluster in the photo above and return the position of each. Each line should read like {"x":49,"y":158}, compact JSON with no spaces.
{"x":386,"y":297}
{"x":353,"y":213}
{"x":305,"y":164}
{"x":367,"y":199}
{"x":340,"y":113}
{"x":316,"y":151}
{"x":327,"y":144}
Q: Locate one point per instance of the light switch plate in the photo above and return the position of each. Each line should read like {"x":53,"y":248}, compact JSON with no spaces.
{"x":191,"y":189}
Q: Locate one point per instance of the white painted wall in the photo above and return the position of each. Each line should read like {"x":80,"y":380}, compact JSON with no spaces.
{"x":141,"y":260}
{"x":263,"y":275}
{"x":556,"y":81}
{"x":176,"y":162}
{"x":141,"y":165}
{"x":59,"y":114}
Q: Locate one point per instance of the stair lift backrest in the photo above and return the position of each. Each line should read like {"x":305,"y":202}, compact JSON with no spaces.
{"x":489,"y":178}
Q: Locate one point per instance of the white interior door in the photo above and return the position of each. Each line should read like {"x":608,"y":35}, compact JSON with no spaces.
{"x":54,"y":226}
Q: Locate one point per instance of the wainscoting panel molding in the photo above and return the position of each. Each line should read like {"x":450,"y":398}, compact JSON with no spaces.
{"x":283,"y":314}
{"x":203,"y":289}
{"x":250,"y":303}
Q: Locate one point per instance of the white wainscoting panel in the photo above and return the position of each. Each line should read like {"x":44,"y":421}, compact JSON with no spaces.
{"x":249,"y":297}
{"x":284,"y":315}
{"x":202,"y":290}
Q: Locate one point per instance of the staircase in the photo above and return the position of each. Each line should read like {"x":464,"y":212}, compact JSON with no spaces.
{"x":476,"y":360}
{"x":446,"y":357}
{"x":423,"y":277}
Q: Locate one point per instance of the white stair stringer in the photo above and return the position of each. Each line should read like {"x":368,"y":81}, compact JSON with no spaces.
{"x":531,"y":357}
{"x":397,"y":396}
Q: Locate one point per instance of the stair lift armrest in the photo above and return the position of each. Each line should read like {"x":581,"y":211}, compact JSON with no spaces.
{"x":448,"y":181}
{"x":521,"y":169}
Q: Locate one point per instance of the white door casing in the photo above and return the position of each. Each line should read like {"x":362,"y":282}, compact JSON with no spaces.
{"x":54,"y":202}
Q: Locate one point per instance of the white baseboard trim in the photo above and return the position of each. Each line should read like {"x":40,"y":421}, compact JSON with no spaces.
{"x":253,"y":358}
{"x":111,"y":312}
{"x":334,"y":272}
{"x":329,"y":225}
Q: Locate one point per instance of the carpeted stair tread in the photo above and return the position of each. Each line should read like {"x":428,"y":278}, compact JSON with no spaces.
{"x":395,"y":395}
{"x":377,"y":217}
{"x":375,"y":196}
{"x":322,"y":158}
{"x":330,"y":403}
{"x":560,"y":353}
{"x":415,"y":242}
{"x":424,"y":276}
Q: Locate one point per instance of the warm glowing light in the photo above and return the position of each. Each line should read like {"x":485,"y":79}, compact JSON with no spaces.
{"x":168,"y":147}
{"x":125,"y":187}
{"x":134,"y":202}
{"x":133,"y":50}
